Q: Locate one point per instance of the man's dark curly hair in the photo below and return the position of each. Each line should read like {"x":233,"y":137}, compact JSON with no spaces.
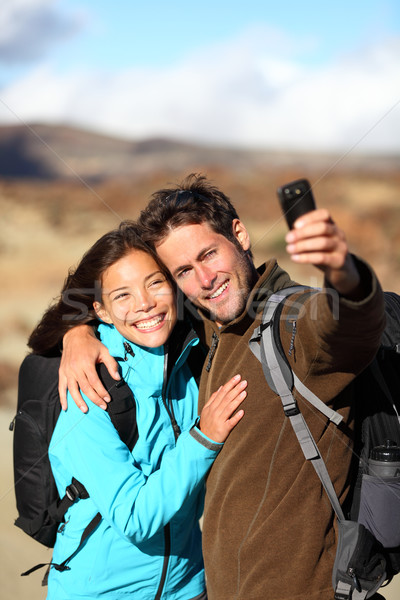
{"x":193,"y":201}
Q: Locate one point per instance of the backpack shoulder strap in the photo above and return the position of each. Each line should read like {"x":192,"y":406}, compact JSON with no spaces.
{"x":391,"y":334}
{"x":122,"y":411}
{"x":64,"y":565}
{"x":265,"y":344}
{"x":282,"y":380}
{"x":121,"y":408}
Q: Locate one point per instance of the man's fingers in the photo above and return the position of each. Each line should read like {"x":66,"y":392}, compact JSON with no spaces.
{"x":94,"y":390}
{"x":94,"y":387}
{"x":320,"y":259}
{"x":76,"y":396}
{"x":317,"y":240}
{"x":316,"y":230}
{"x":111,"y":365}
{"x":316,"y":244}
{"x":62,"y":391}
{"x":314,"y":216}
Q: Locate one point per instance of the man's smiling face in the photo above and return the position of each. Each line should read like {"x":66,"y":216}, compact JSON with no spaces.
{"x":213,"y":272}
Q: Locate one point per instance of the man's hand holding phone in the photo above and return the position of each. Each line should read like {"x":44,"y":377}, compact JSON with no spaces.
{"x":315,"y":239}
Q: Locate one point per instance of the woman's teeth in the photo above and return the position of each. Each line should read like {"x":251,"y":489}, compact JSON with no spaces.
{"x":149,"y":323}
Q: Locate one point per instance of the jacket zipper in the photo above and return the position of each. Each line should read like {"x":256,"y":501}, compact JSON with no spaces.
{"x":213,"y":348}
{"x":294,"y":331}
{"x":177,"y":432}
{"x":169,"y":408}
{"x":167,"y":553}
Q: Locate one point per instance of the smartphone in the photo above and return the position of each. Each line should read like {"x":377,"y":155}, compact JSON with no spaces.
{"x":296,"y":199}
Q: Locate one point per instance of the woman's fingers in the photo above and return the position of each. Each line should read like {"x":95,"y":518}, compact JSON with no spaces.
{"x":224,"y":389}
{"x":218,"y":416}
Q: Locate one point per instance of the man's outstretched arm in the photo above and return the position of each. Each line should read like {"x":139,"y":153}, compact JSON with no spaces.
{"x":81,"y":352}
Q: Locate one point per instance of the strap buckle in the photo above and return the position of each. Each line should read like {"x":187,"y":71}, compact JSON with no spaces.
{"x":72,"y":492}
{"x":292,"y":410}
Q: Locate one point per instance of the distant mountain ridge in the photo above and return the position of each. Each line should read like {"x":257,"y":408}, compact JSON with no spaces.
{"x":61,"y":152}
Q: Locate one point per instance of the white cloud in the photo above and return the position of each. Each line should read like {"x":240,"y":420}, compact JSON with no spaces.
{"x":251,"y":92}
{"x":28,"y":28}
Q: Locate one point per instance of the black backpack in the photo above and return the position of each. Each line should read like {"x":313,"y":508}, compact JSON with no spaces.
{"x":362,"y":565}
{"x":40,"y":509}
{"x":377,"y":411}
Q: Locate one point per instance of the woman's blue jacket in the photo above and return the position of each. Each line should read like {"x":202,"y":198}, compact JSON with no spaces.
{"x":148,"y":542}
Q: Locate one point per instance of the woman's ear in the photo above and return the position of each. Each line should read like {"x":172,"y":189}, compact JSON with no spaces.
{"x":101,"y":312}
{"x":241,"y":234}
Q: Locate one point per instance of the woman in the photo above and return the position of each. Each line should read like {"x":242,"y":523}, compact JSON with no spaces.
{"x":148,"y":542}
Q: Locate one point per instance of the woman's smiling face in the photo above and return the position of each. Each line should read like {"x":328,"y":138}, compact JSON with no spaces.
{"x":138,"y":299}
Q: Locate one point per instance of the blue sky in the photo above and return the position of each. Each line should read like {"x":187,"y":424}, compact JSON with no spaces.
{"x":301,"y":75}
{"x":160,"y":32}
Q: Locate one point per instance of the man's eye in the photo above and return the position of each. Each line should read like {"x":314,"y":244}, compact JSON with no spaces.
{"x":183,"y":273}
{"x":209,"y":254}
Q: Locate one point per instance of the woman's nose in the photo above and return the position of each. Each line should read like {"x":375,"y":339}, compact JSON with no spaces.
{"x":143,"y":301}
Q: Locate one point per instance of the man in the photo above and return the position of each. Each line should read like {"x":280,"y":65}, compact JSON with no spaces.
{"x":268,"y":526}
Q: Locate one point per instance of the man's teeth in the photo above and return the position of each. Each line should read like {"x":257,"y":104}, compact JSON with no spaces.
{"x":149,"y":324}
{"x":220,"y":290}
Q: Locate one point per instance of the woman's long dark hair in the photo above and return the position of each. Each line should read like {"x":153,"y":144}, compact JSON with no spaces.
{"x":82,"y":287}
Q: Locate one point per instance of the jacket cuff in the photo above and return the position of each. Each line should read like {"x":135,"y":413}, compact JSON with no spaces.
{"x":203,"y":439}
{"x":368,"y":281}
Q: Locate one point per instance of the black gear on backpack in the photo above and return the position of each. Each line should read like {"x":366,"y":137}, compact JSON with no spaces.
{"x":40,"y":509}
{"x":377,"y":410}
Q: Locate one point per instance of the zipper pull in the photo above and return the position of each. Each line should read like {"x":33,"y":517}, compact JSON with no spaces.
{"x":12,"y":424}
{"x":213,"y":347}
{"x":62,"y":527}
{"x":294,"y":331}
{"x":176,"y":428}
{"x":355,"y":579}
{"x":128,"y":350}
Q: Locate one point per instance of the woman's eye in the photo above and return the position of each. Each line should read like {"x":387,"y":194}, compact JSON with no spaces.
{"x":121,"y":296}
{"x":157,"y":282}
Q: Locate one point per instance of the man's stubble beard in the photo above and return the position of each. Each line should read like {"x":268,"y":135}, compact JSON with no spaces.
{"x":246,"y":277}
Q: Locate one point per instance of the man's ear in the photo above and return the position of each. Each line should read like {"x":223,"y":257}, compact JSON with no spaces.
{"x":101,"y":312}
{"x":241,"y":234}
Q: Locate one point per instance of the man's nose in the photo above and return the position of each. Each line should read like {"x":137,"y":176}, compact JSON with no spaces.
{"x":206,"y":277}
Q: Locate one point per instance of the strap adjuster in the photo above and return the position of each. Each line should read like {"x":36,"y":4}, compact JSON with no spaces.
{"x":292,"y":411}
{"x":72,"y":492}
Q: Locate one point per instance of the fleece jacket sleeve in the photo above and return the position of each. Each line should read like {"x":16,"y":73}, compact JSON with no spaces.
{"x":331,"y":339}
